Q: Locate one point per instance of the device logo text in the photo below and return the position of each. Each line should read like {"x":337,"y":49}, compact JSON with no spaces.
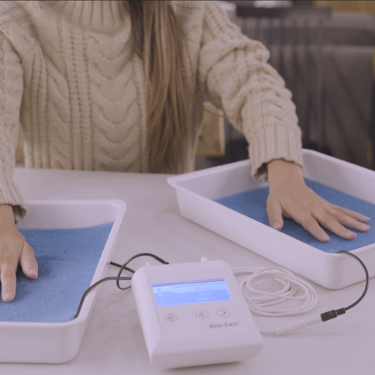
{"x":224,"y":325}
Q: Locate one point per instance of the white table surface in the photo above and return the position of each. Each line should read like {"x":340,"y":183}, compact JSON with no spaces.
{"x":114,"y":344}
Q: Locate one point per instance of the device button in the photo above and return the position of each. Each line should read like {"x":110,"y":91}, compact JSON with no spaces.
{"x":223,"y":312}
{"x":201,"y":314}
{"x":171,"y":317}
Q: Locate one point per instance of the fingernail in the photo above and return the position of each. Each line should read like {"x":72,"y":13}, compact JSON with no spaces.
{"x":33,"y":272}
{"x":365,"y":227}
{"x":8,"y":296}
{"x":276,"y":225}
{"x":351,"y":235}
{"x":325,"y":238}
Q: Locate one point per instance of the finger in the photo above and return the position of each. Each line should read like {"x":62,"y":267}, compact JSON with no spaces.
{"x":8,"y":282}
{"x":328,"y":222}
{"x":353,"y":214}
{"x":275,"y":214}
{"x":349,"y":221}
{"x":28,"y":263}
{"x":312,"y":226}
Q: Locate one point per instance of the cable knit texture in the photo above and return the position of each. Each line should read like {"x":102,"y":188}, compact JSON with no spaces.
{"x":70,"y":78}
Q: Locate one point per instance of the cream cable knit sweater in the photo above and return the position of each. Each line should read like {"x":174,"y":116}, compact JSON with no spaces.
{"x":69,"y":77}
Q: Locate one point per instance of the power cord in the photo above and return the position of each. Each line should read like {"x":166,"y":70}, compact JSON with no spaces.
{"x":265,"y":303}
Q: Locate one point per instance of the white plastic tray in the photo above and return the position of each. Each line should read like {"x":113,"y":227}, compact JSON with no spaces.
{"x":197,"y":191}
{"x":59,"y":342}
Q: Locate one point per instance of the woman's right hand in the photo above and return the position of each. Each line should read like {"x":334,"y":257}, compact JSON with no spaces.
{"x":14,"y":250}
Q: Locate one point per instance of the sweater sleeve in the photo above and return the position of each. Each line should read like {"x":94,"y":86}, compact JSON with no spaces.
{"x":238,"y":79}
{"x":11,"y":88}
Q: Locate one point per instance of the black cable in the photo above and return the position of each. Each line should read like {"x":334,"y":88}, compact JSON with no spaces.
{"x":118,"y":278}
{"x":119,"y":266}
{"x":335,"y":313}
{"x":367,"y":279}
{"x":132,"y":258}
{"x":93,"y":286}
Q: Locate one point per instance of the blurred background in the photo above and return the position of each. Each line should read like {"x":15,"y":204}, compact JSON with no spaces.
{"x":325,"y":51}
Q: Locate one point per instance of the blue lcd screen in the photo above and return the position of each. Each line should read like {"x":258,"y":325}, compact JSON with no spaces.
{"x":183,"y":293}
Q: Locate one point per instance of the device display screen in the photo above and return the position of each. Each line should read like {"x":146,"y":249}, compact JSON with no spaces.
{"x":183,"y":293}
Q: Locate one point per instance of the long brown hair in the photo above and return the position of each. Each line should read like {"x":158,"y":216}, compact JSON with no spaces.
{"x":157,"y":38}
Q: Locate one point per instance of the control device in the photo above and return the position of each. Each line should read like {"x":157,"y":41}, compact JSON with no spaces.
{"x":194,"y":314}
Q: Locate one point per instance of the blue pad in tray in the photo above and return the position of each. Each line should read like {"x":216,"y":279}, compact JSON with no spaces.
{"x":253,"y":204}
{"x":67,"y":261}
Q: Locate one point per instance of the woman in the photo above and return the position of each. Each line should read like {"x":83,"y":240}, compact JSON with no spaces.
{"x":117,"y":85}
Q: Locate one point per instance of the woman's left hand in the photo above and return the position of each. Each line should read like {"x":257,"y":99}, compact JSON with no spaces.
{"x":289,"y":197}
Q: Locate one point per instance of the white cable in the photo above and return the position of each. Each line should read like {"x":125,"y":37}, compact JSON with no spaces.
{"x":266,"y":303}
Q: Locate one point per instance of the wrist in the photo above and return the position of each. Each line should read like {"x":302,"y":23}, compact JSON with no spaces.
{"x":283,"y":171}
{"x":6,"y":215}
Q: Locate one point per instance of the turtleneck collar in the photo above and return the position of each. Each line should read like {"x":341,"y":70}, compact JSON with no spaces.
{"x":102,"y":15}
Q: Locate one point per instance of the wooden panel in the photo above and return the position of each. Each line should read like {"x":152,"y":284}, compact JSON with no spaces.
{"x":361,"y":6}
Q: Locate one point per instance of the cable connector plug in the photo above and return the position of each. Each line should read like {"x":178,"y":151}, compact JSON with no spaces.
{"x":332,"y":314}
